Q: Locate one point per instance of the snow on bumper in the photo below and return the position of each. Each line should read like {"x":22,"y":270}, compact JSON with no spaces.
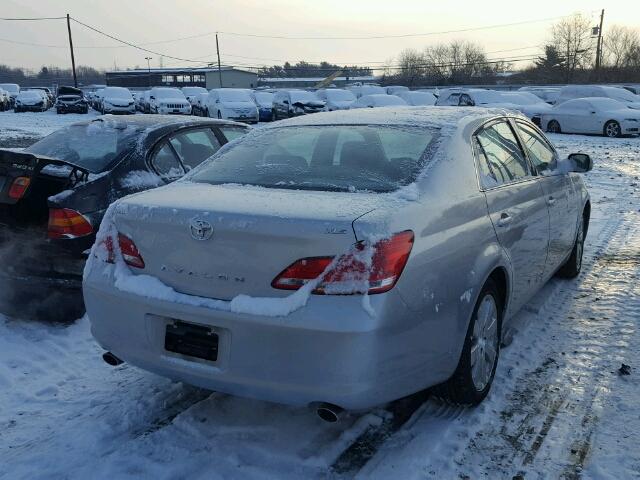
{"x":331,"y":350}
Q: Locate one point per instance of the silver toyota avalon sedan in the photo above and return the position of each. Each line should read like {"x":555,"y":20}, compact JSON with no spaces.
{"x":348,"y":258}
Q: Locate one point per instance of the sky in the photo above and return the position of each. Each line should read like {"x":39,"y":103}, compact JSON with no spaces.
{"x":169,"y":21}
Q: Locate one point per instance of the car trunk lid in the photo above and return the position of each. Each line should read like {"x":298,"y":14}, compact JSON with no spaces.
{"x":220,"y":241}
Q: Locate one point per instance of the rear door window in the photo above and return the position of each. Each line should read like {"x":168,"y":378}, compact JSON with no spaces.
{"x":231,"y":133}
{"x":500,"y":156}
{"x":194,"y":146}
{"x":166,"y":164}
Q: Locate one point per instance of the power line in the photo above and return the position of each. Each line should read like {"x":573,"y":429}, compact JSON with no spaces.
{"x":29,"y":19}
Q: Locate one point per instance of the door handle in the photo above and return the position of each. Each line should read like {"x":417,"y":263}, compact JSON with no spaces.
{"x":551,"y":201}
{"x":505,"y":219}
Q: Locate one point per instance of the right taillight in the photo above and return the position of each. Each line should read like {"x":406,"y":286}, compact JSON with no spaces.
{"x":350,"y":273}
{"x":130,"y":253}
{"x":67,"y":223}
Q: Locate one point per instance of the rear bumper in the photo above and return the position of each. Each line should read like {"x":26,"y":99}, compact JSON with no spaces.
{"x":114,"y":109}
{"x":174,"y":111}
{"x":331,"y":350}
{"x":80,"y":108}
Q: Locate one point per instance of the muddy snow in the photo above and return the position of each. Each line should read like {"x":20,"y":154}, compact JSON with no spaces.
{"x":561,"y":406}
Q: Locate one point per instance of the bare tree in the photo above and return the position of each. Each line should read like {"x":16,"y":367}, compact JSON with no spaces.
{"x":572,"y":39}
{"x":621,"y":47}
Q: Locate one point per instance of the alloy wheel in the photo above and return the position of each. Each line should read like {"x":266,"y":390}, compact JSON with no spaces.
{"x":484,"y":344}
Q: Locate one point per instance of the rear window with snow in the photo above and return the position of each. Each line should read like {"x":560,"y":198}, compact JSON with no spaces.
{"x":95,"y":146}
{"x":302,"y":96}
{"x":332,"y":158}
{"x":234,"y":95}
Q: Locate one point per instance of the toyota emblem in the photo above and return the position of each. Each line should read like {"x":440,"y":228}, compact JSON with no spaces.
{"x":200,"y":229}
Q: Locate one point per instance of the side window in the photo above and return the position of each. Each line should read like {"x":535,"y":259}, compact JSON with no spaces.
{"x":195,"y":146}
{"x":231,"y":133}
{"x":453,"y":99}
{"x":501,"y":159}
{"x":166,"y":164}
{"x":465,"y":101}
{"x":540,"y":153}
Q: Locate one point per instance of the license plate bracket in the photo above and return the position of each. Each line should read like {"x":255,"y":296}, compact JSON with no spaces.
{"x":198,"y":341}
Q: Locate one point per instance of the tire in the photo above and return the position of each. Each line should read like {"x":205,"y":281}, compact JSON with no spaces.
{"x":471,"y":381}
{"x":553,"y":127}
{"x":612,"y":129}
{"x":572,"y":267}
{"x":274,"y":116}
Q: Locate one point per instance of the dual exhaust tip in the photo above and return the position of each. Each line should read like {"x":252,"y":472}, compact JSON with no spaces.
{"x":326,"y":411}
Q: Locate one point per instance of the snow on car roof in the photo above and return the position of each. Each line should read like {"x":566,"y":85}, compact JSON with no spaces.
{"x":402,"y":115}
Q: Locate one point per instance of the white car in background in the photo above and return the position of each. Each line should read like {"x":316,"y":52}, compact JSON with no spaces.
{"x":117,"y":100}
{"x":548,"y":94}
{"x":378,"y":100}
{"x":336,"y":98}
{"x":232,"y":104}
{"x":362,"y":90}
{"x":418,"y":98}
{"x":167,"y":100}
{"x":13,"y":89}
{"x":31,"y":101}
{"x":597,"y":115}
{"x":583,"y":91}
{"x":192,"y":93}
{"x":396,"y":89}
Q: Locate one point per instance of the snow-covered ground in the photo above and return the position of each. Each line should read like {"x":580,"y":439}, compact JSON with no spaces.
{"x":559,"y":407}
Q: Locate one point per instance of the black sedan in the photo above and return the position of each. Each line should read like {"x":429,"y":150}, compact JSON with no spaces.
{"x":53,"y":196}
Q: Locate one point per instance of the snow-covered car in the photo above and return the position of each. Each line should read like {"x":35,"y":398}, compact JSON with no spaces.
{"x":418,"y":98}
{"x":117,"y":100}
{"x":334,"y":260}
{"x":145,"y":101}
{"x":199,"y":107}
{"x":96,"y":104}
{"x":31,"y":101}
{"x":548,"y":94}
{"x":361,"y":90}
{"x":595,"y":115}
{"x":13,"y":89}
{"x":5,"y":100}
{"x":48,"y":94}
{"x":264,"y":102}
{"x":71,"y":99}
{"x":527,"y":103}
{"x":232,"y":104}
{"x":336,"y":98}
{"x":192,"y":93}
{"x":292,"y":103}
{"x":396,"y":89}
{"x":377,"y":100}
{"x":168,"y":101}
{"x":584,"y":91}
{"x":138,"y":98}
{"x":53,"y":194}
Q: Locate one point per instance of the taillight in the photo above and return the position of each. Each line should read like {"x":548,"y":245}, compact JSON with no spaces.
{"x":130,"y":253}
{"x":67,"y":223}
{"x":19,"y":187}
{"x":350,"y":272}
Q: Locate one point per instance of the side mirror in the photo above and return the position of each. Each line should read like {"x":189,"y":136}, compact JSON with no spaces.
{"x":286,"y":102}
{"x":152,"y":97}
{"x":581,"y":162}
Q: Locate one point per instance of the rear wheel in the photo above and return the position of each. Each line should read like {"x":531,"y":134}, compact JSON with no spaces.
{"x":472,"y":379}
{"x":612,"y":129}
{"x":573,"y":265}
{"x":553,"y":127}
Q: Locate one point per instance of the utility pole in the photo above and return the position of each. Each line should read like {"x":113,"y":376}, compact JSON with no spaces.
{"x":599,"y":45}
{"x":148,"y":70}
{"x":219,"y":68}
{"x":73,"y":58}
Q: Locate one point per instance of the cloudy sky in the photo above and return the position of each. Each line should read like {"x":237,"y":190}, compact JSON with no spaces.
{"x":161,"y":25}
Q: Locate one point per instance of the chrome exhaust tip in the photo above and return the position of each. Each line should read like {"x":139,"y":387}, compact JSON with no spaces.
{"x":329,"y":413}
{"x":111,"y":359}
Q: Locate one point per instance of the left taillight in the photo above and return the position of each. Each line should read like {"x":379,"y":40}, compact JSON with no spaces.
{"x":67,"y":223}
{"x":349,"y":272}
{"x":19,"y":187}
{"x":130,"y":253}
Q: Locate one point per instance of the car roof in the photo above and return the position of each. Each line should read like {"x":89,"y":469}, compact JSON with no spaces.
{"x":150,"y":121}
{"x":425,"y":116}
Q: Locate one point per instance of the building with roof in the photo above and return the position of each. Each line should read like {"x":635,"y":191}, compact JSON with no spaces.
{"x":308,"y":82}
{"x":183,"y":77}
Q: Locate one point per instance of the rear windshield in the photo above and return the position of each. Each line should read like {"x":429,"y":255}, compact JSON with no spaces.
{"x":302,"y":96}
{"x":332,"y":158}
{"x":96,"y":146}
{"x":340,"y":95}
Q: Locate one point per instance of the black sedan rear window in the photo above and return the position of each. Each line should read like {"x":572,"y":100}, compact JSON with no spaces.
{"x":95,"y":146}
{"x":339,"y":158}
